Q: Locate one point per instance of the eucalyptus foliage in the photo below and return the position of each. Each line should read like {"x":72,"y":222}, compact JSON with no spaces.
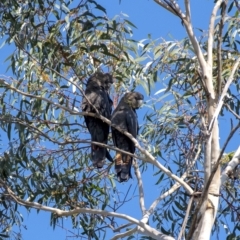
{"x":45,"y":159}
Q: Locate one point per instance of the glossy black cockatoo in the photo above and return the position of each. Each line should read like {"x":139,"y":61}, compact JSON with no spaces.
{"x":98,"y":101}
{"x":125,"y":117}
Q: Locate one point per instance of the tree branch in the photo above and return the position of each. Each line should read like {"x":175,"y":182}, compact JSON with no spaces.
{"x":193,"y":39}
{"x":186,"y":218}
{"x":230,"y":110}
{"x":144,"y":228}
{"x":159,"y":236}
{"x":211,"y":33}
{"x":174,"y":187}
{"x":188,"y":12}
{"x":61,"y":213}
{"x":166,"y":6}
{"x":140,"y":187}
{"x":219,"y":49}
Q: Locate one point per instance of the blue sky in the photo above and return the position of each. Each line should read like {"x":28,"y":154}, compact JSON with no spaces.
{"x":149,"y":19}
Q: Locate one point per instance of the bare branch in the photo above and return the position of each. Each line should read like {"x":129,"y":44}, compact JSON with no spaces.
{"x":140,"y":187}
{"x":160,"y":236}
{"x":172,"y":7}
{"x":211,"y":33}
{"x":166,"y":6}
{"x":193,"y":39}
{"x":230,"y":110}
{"x":188,"y":12}
{"x":173,"y":4}
{"x":152,"y":160}
{"x":175,"y":186}
{"x":219,"y":49}
{"x":61,"y":213}
{"x":186,"y":218}
{"x":144,"y":228}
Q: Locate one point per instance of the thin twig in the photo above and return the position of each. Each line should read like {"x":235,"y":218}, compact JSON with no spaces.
{"x":230,"y":110}
{"x":186,"y":218}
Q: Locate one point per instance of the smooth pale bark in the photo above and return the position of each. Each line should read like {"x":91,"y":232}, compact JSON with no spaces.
{"x":210,"y":205}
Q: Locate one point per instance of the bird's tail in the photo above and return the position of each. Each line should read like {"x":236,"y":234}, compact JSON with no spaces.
{"x":98,"y":156}
{"x":123,"y":167}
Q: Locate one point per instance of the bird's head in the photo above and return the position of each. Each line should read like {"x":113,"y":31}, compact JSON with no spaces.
{"x":134,"y":99}
{"x":107,"y":81}
{"x":100,"y":80}
{"x":95,"y":81}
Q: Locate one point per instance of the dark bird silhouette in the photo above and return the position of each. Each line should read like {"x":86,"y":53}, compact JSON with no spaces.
{"x":125,"y":117}
{"x":98,"y":101}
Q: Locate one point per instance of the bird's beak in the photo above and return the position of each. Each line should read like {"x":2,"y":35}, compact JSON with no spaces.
{"x":140,"y":102}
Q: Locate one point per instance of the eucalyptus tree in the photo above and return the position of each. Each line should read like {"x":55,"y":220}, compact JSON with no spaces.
{"x":211,"y":76}
{"x":178,"y":184}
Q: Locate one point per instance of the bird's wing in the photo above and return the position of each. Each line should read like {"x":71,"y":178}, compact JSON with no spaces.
{"x":131,"y":122}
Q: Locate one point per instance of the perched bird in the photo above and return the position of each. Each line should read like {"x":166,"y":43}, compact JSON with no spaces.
{"x":125,"y":117}
{"x":97,"y":100}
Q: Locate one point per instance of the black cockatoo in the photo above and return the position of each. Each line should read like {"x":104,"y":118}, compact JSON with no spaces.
{"x":125,"y":117}
{"x":98,"y":101}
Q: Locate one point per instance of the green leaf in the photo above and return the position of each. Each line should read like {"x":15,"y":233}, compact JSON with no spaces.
{"x":130,"y":23}
{"x":160,"y":178}
{"x":4,"y":235}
